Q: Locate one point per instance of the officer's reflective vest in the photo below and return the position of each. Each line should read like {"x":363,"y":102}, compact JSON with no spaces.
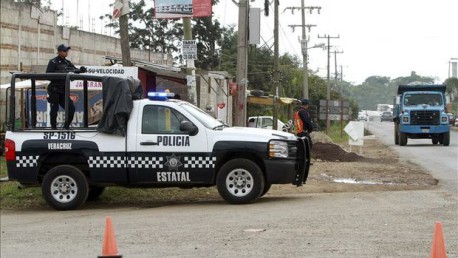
{"x":298,"y":123}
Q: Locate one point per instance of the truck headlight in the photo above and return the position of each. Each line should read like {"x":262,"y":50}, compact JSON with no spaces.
{"x":278,"y":149}
{"x":444,"y":119}
{"x":405,"y":119}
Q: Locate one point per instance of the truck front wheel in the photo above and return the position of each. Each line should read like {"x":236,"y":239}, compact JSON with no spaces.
{"x":446,"y":139}
{"x":435,"y":139}
{"x":240,"y":181}
{"x":266,"y":189}
{"x":65,"y":187}
{"x":396,"y":133}
{"x":402,"y":139}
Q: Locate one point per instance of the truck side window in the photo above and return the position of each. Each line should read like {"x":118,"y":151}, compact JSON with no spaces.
{"x":161,"y":120}
{"x":267,"y":122}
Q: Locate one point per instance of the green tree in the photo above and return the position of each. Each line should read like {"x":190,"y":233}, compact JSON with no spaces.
{"x":207,"y":32}
{"x":166,"y":35}
{"x":381,"y":90}
{"x":452,"y":88}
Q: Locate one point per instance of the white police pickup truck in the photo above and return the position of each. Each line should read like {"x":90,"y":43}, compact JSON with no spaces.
{"x":165,"y":143}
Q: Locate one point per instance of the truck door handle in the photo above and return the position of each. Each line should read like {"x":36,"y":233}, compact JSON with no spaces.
{"x":149,"y":143}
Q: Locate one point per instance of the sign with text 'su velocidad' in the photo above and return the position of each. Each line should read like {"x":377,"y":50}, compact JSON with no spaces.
{"x":116,"y":71}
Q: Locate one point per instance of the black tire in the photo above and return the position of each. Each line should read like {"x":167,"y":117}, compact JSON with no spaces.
{"x":65,"y":187}
{"x":266,"y":189}
{"x":240,"y":181}
{"x":396,"y":133}
{"x":95,"y":192}
{"x":446,"y":139}
{"x":435,"y":140}
{"x":402,"y":139}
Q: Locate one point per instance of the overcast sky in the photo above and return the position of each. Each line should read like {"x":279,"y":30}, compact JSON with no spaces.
{"x":378,"y":37}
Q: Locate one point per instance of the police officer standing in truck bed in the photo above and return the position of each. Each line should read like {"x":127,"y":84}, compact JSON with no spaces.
{"x":56,"y":89}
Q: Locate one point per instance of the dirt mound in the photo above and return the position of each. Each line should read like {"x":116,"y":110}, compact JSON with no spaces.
{"x":333,"y":152}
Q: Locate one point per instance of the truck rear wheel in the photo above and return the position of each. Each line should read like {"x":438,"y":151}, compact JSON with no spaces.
{"x":402,"y":139}
{"x":240,"y":181}
{"x":65,"y":187}
{"x":446,"y":139}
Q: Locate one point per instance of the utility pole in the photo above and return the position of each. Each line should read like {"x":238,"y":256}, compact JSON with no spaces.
{"x":341,"y":73}
{"x":124,"y":33}
{"x":240,"y":106}
{"x":328,"y":88}
{"x":335,"y":70}
{"x":276,"y":72}
{"x":304,"y":41}
{"x":190,"y":69}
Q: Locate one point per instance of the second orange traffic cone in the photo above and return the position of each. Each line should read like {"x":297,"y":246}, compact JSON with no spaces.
{"x":438,"y":249}
{"x":109,"y":248}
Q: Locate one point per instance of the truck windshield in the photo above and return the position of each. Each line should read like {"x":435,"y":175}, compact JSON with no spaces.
{"x":207,"y":120}
{"x":423,"y":99}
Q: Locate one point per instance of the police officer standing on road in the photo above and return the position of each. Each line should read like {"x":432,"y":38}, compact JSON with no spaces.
{"x":56,"y":88}
{"x":303,"y":121}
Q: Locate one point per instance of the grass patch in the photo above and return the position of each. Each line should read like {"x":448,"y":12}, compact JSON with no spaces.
{"x":12,"y":198}
{"x":337,"y":134}
{"x":120,"y":196}
{"x":3,"y":172}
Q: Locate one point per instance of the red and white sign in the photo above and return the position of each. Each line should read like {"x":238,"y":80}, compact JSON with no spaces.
{"x":117,"y":9}
{"x":201,"y":8}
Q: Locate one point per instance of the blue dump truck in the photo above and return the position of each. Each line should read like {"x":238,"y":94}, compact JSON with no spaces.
{"x":420,"y":113}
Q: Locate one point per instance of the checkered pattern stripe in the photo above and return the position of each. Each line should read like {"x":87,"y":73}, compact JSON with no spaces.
{"x":106,"y":162}
{"x":26,"y":161}
{"x":122,"y":162}
{"x":199,"y":162}
{"x":146,"y":162}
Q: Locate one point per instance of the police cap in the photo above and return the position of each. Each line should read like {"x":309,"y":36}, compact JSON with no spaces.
{"x":62,"y":47}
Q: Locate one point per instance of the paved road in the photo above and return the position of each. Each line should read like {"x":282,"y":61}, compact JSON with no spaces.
{"x":441,"y":161}
{"x":361,"y":224}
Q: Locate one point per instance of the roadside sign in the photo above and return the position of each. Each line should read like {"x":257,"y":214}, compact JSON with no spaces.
{"x":356,"y":132}
{"x":334,"y":109}
{"x":189,"y":49}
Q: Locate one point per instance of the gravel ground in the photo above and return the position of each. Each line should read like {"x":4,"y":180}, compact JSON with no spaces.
{"x":376,"y":168}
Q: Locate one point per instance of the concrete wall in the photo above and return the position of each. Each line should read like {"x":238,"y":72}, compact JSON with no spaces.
{"x":29,"y":37}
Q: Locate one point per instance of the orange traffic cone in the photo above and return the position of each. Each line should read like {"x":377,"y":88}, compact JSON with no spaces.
{"x":438,"y":248}
{"x":109,"y":248}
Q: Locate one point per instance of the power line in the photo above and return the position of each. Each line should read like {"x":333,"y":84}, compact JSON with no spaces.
{"x":305,"y":91}
{"x":328,"y":88}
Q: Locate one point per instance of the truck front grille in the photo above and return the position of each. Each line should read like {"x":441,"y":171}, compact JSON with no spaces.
{"x":424,"y":117}
{"x":292,"y":149}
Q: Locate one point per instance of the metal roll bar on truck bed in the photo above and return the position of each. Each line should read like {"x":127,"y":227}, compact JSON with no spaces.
{"x":48,"y":76}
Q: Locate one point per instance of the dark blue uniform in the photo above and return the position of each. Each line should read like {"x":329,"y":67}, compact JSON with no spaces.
{"x":306,"y":120}
{"x":56,"y":89}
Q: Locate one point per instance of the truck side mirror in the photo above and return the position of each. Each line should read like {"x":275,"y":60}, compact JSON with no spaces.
{"x":188,"y":127}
